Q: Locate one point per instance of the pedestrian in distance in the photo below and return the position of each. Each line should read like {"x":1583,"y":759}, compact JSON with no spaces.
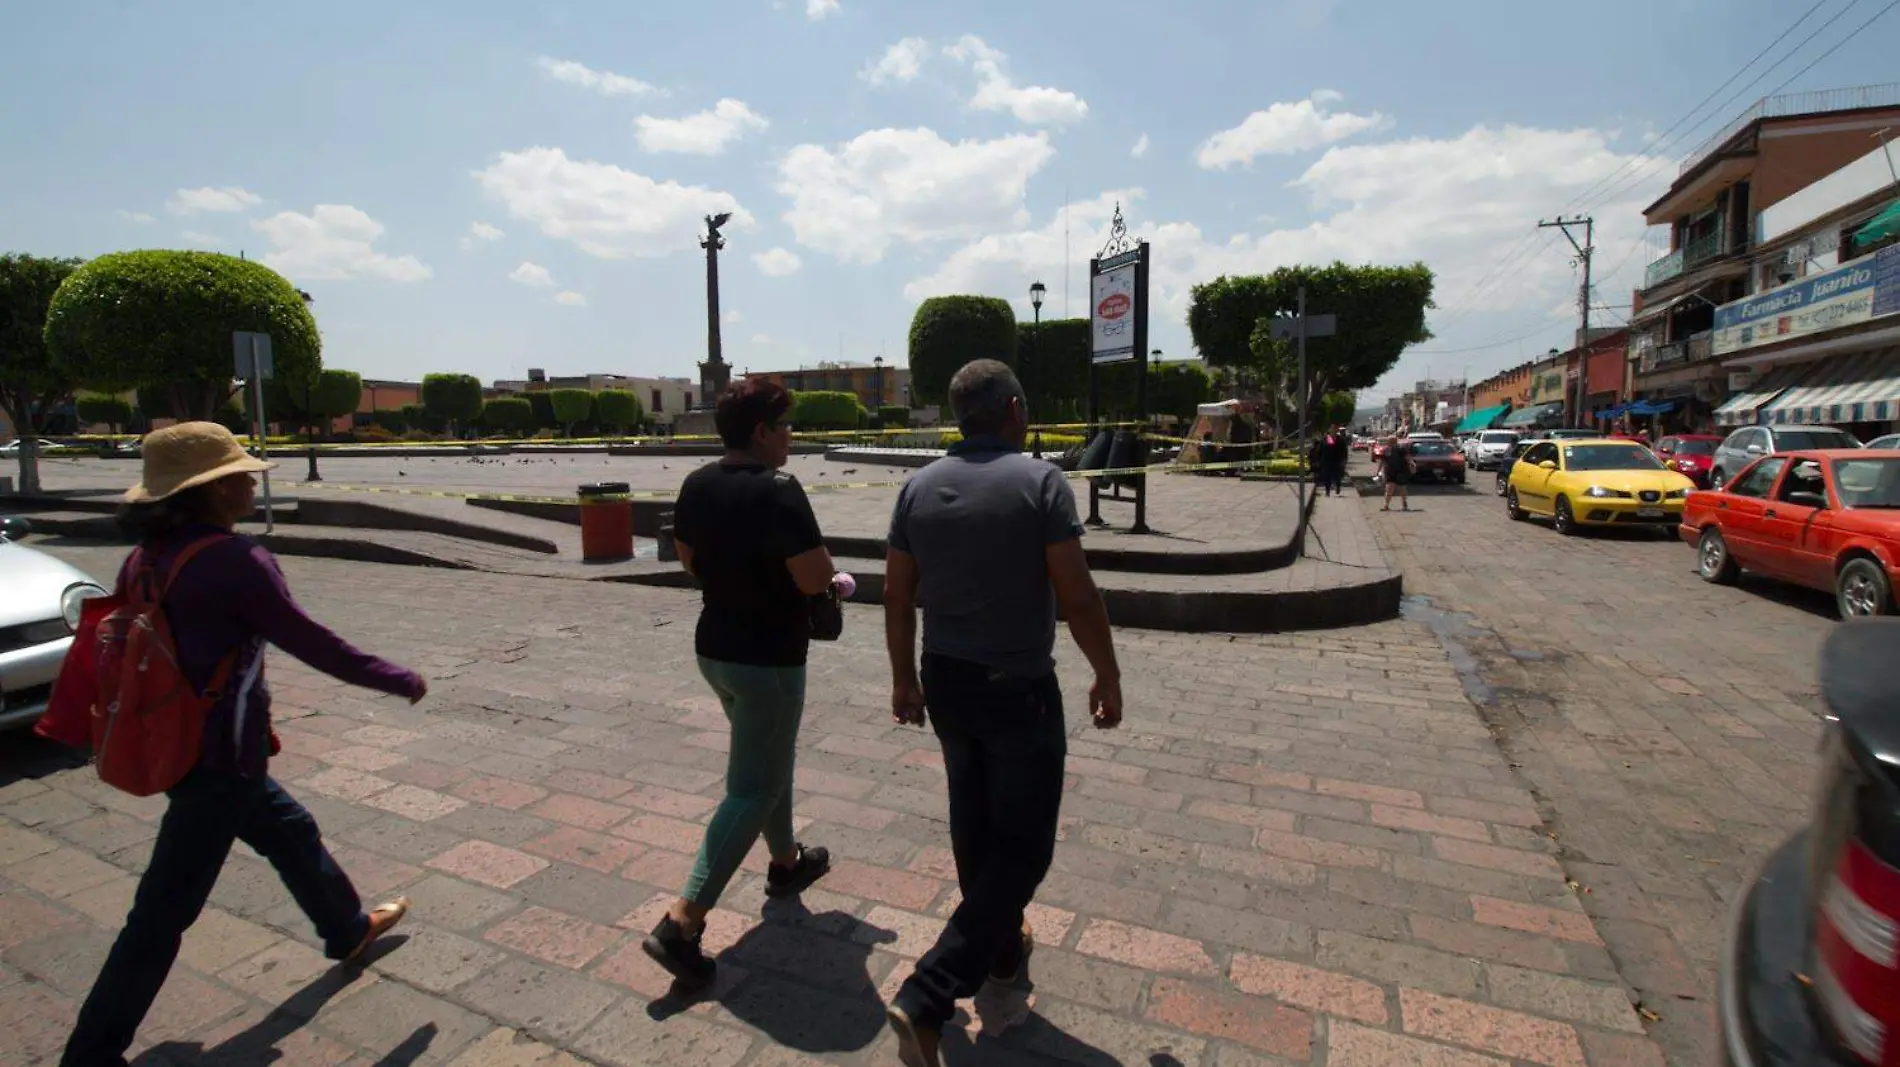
{"x":746,"y":532}
{"x":1397,"y":465}
{"x":224,"y":599}
{"x":988,"y":539}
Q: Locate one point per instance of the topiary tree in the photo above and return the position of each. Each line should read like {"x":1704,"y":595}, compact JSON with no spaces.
{"x":331,"y":395}
{"x":164,"y":319}
{"x":893,"y":415}
{"x":33,"y":385}
{"x":949,"y":331}
{"x":508,"y":414}
{"x":571,"y":406}
{"x":1335,"y":409}
{"x":414,"y":417}
{"x":543,"y":409}
{"x":819,"y":410}
{"x":451,"y":399}
{"x":618,"y":410}
{"x":94,"y":408}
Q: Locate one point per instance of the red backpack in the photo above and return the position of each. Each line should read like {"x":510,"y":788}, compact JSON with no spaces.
{"x":121,"y":688}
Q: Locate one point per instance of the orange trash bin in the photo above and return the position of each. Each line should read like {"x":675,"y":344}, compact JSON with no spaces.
{"x":606,"y":522}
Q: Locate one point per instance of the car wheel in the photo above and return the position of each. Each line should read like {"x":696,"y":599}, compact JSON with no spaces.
{"x":1566,"y":519}
{"x":1502,"y":483}
{"x":1861,"y":589}
{"x":1461,"y":479}
{"x":1717,"y":479}
{"x":1712,"y":560}
{"x":1516,"y":513}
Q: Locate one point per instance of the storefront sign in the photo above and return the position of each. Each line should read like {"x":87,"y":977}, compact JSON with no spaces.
{"x":1113,"y":315}
{"x":1547,"y":386}
{"x":1853,"y":293}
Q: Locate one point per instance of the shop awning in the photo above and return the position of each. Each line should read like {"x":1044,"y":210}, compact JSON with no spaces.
{"x":1881,"y":226}
{"x":1652,"y":311}
{"x":1740,"y":409}
{"x":1481,"y":419}
{"x":1652,"y":407}
{"x":1534,"y":414}
{"x":1612,"y":412}
{"x":1853,"y":387}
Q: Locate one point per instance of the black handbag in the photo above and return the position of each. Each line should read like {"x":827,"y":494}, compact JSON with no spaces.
{"x":827,"y":614}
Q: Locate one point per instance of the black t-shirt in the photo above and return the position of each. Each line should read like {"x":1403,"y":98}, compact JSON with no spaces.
{"x":742,"y":522}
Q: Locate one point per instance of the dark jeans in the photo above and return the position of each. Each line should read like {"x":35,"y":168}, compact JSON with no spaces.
{"x":1004,"y":744}
{"x":208,"y":812}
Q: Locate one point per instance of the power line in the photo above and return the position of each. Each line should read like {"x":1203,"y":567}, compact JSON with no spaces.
{"x":1837,"y":47}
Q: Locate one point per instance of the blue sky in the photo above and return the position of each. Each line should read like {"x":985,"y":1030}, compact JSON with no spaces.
{"x":487,"y":186}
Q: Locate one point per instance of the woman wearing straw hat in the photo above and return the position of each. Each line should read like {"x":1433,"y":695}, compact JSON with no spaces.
{"x":227,"y":602}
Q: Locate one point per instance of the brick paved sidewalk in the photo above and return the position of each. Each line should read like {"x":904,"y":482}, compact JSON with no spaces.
{"x":1300,"y":850}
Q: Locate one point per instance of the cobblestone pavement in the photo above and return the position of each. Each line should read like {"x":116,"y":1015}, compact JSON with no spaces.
{"x":1667,"y":727}
{"x":1301,"y":849}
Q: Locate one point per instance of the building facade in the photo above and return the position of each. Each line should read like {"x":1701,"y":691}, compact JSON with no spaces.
{"x":874,"y":384}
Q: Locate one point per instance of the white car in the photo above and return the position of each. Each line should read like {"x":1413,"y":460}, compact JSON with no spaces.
{"x":37,"y":618}
{"x":11,"y":449}
{"x":1487,"y":448}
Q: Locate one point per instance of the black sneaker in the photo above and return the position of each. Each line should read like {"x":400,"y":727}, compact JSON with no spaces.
{"x":672,"y":948}
{"x":1008,"y":967}
{"x":813,"y":863}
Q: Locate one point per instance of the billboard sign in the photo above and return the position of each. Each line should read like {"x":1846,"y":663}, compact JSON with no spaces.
{"x":1112,"y":315}
{"x":1850,"y":294}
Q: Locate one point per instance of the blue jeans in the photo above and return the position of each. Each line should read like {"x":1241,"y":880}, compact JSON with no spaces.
{"x":209,"y":810}
{"x":1004,"y":748}
{"x":764,"y":706}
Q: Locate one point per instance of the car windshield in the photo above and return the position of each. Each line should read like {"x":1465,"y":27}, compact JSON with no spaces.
{"x":1497,"y":437}
{"x":1868,"y":483}
{"x":1695,"y":448}
{"x":1801,"y":440}
{"x":1610,"y":458}
{"x":1432,"y":448}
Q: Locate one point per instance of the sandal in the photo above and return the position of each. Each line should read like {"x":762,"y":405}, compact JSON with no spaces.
{"x":382,"y":919}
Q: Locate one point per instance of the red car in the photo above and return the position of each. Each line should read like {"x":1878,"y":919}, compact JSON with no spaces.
{"x":1439,"y":460}
{"x":1827,"y":519}
{"x":1689,"y":454}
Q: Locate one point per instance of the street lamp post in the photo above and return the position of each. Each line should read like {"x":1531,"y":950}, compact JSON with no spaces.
{"x":309,"y":417}
{"x":1036,"y":291}
{"x":878,"y":379}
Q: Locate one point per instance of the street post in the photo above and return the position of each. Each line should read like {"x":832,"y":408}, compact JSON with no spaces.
{"x":253,"y":358}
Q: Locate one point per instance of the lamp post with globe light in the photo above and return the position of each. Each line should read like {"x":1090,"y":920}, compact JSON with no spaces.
{"x":1036,"y":291}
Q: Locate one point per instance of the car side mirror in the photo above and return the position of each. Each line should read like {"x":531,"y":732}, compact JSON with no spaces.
{"x":1548,"y":464}
{"x":1754,"y":450}
{"x":1808,"y":500}
{"x":13,"y":527}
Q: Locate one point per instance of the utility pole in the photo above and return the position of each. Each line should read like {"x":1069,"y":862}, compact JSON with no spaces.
{"x":1584,"y":253}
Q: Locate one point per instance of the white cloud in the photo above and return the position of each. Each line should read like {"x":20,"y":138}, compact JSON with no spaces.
{"x":1140,"y":151}
{"x":333,"y":242}
{"x":1034,"y":104}
{"x":532,"y":275}
{"x":602,"y":209}
{"x":140,"y":217}
{"x":733,"y":317}
{"x":761,"y":338}
{"x":906,"y":185}
{"x":209,"y":198}
{"x":1284,"y":128}
{"x":570,"y":298}
{"x":480,"y":233}
{"x":606,"y":83}
{"x":777,"y":262}
{"x":198,"y":237}
{"x":818,"y":9}
{"x":705,"y":134}
{"x":1459,"y":204}
{"x":900,"y":62}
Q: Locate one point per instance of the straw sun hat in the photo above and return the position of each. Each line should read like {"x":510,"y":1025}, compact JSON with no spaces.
{"x":189,"y":454}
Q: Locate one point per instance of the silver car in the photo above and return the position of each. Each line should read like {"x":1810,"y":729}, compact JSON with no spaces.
{"x":37,"y":617}
{"x":1740,"y":448}
{"x":1488,"y":448}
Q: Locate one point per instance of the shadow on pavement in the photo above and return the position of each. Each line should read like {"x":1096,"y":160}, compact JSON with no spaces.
{"x":257,"y":1046}
{"x":28,"y":755}
{"x":1039,"y":1036}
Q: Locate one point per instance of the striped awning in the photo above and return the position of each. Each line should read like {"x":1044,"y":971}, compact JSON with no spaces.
{"x":1741,"y":409}
{"x":1855,"y":387}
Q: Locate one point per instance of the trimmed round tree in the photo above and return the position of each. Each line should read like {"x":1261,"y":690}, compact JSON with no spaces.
{"x":95,"y":408}
{"x":451,"y":399}
{"x":508,"y":414}
{"x":618,"y":410}
{"x":821,"y":410}
{"x":164,"y":319}
{"x":571,"y":406}
{"x":949,"y":331}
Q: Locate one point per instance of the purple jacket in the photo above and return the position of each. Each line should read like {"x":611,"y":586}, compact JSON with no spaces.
{"x":232,"y":596}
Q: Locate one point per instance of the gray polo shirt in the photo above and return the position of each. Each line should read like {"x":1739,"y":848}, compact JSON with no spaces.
{"x":978,"y":522}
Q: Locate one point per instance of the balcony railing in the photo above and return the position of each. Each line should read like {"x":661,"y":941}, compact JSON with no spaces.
{"x":1701,"y":346}
{"x":1769,"y":107}
{"x":1663,"y":269}
{"x":1662,"y":357}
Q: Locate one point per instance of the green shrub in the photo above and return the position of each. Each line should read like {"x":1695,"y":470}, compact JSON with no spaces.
{"x":818,"y":410}
{"x":450,"y":400}
{"x":618,"y":410}
{"x":949,"y":331}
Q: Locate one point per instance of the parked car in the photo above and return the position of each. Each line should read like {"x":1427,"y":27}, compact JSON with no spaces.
{"x":1741,"y":447}
{"x":1487,"y":448}
{"x":1891,"y":440}
{"x":1689,"y":454}
{"x":1438,"y":460}
{"x":1595,"y":482}
{"x":1510,"y":459}
{"x":1807,"y":976}
{"x":11,"y":450}
{"x":1572,"y":435}
{"x":37,"y":617}
{"x":1827,"y":519}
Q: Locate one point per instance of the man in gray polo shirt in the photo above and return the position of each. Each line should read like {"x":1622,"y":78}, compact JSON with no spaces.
{"x":990,"y":538}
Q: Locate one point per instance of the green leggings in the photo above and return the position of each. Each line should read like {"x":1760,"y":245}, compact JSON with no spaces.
{"x":764,"y":705}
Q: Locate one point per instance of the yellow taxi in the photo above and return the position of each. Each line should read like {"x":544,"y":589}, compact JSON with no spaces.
{"x":1596,"y":482}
